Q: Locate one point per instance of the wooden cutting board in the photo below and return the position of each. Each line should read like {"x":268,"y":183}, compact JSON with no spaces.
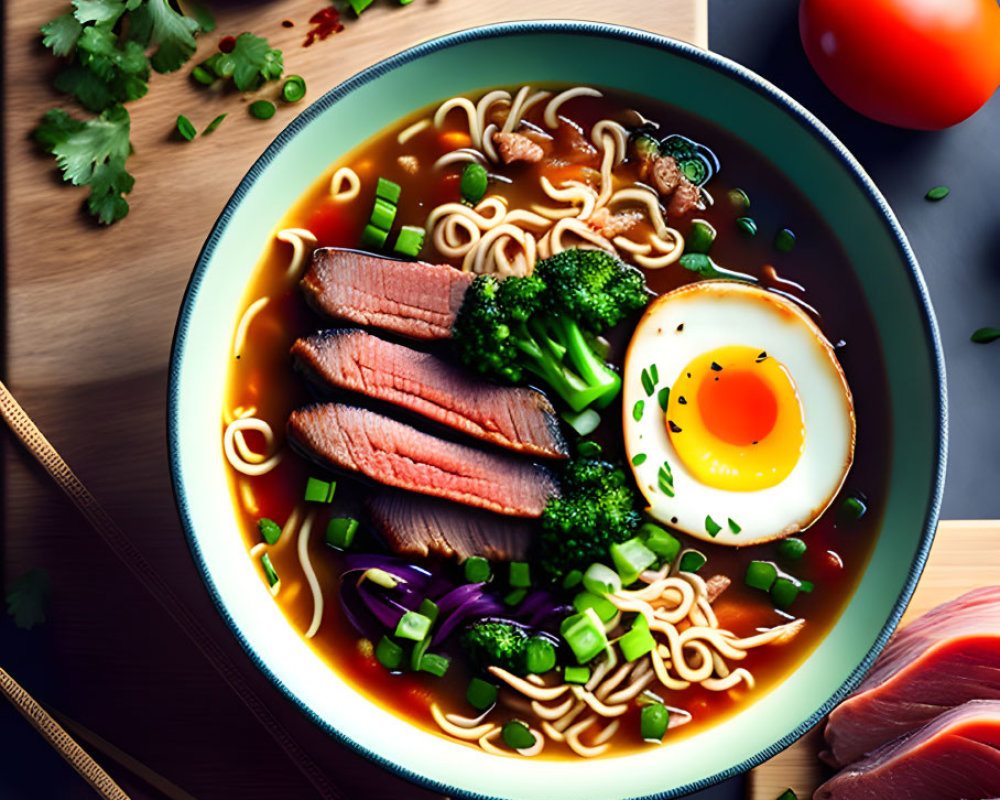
{"x":965,"y":556}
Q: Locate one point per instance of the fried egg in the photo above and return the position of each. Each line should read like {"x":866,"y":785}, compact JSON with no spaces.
{"x":738,"y":420}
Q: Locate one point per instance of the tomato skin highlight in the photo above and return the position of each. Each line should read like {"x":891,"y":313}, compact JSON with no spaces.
{"x":924,"y":64}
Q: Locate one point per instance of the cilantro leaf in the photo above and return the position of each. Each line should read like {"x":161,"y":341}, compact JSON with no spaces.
{"x":155,"y":22}
{"x":106,"y":71}
{"x":61,"y":33}
{"x":93,"y":154}
{"x":28,"y":597}
{"x":255,"y":62}
{"x":86,"y":86}
{"x":201,"y":14}
{"x":100,"y":12}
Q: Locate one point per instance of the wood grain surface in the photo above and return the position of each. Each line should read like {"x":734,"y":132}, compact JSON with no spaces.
{"x":965,"y":556}
{"x":87,"y":324}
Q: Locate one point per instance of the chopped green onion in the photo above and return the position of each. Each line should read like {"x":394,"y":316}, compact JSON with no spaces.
{"x":473,"y":183}
{"x":584,"y":633}
{"x":435,"y":664}
{"x":480,"y":694}
{"x":851,"y":510}
{"x":788,"y":794}
{"x":272,"y":576}
{"x":429,"y":609}
{"x":383,"y":214}
{"x":637,"y":410}
{"x":792,"y":548}
{"x":515,"y":597}
{"x":540,"y":655}
{"x":413,"y":625}
{"x":638,"y":459}
{"x":654,"y":720}
{"x":985,"y":335}
{"x":294,"y":89}
{"x":517,"y":736}
{"x":410,"y":241}
{"x":318,"y":491}
{"x":588,"y":449}
{"x":734,"y":526}
{"x":806,"y":586}
{"x":203,"y":76}
{"x":262,"y":109}
{"x":938,"y":193}
{"x":747,"y":226}
{"x":604,"y":608}
{"x":584,"y":423}
{"x":712,"y":527}
{"x":270,"y":531}
{"x":783,"y":592}
{"x":648,"y":384}
{"x":663,"y":398}
{"x":380,"y":578}
{"x":215,"y":123}
{"x":691,"y":561}
{"x":388,"y":190}
{"x":477,"y":569}
{"x":360,"y":5}
{"x":573,"y":578}
{"x":630,"y":558}
{"x":761,"y":575}
{"x":601,"y":579}
{"x":373,"y":237}
{"x":638,"y":641}
{"x":665,"y":479}
{"x":784,"y":241}
{"x":739,"y":200}
{"x":417,"y":654}
{"x":185,"y":127}
{"x":573,"y":674}
{"x":340,"y":532}
{"x":388,"y":653}
{"x":661,"y":542}
{"x":520,"y":574}
{"x":700,"y":238}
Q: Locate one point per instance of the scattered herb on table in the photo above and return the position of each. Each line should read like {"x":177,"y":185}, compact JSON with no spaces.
{"x":186,"y":128}
{"x":985,"y":335}
{"x":938,"y":193}
{"x":215,"y":123}
{"x":249,"y":60}
{"x":28,"y":598}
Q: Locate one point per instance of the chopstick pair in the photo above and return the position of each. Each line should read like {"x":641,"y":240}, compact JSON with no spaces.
{"x":50,"y":460}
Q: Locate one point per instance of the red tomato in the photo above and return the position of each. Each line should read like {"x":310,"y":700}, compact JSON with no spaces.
{"x":923,"y":64}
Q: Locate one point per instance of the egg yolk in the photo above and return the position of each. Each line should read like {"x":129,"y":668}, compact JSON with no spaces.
{"x":735,"y":420}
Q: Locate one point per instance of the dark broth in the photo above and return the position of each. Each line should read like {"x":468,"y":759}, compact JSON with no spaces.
{"x":262,"y":377}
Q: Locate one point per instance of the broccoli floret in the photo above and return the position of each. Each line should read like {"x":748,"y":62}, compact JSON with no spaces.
{"x":543,"y":324}
{"x":497,"y":643}
{"x":596,"y":509}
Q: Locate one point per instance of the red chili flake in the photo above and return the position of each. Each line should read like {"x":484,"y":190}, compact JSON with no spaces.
{"x":324,"y":22}
{"x":287,"y":23}
{"x":227,"y":44}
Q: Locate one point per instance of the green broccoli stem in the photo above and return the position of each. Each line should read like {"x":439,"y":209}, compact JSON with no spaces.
{"x":544,"y":343}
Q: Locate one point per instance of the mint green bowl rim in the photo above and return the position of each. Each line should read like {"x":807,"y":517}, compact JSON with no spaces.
{"x":705,"y":58}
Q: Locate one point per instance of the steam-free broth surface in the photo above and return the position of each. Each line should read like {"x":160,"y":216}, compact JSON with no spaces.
{"x":261,"y":377}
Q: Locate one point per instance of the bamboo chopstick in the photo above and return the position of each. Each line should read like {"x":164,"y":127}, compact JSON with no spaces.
{"x":50,"y":460}
{"x":62,"y":742}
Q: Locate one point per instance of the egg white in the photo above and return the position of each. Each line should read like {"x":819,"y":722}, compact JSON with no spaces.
{"x":704,"y":316}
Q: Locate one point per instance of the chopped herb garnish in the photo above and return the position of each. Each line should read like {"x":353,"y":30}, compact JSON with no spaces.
{"x":784,"y":241}
{"x":691,"y":561}
{"x":262,"y":109}
{"x":665,"y":479}
{"x":788,"y":794}
{"x":792,"y":548}
{"x":637,"y":410}
{"x":340,"y":532}
{"x":27,"y":598}
{"x":294,"y":89}
{"x":712,"y":527}
{"x":704,"y":266}
{"x":215,"y":123}
{"x":851,"y":510}
{"x":674,"y":428}
{"x":517,"y":736}
{"x":985,"y":335}
{"x":663,"y":398}
{"x":185,"y":127}
{"x":648,"y":384}
{"x":761,"y":575}
{"x":654,"y":373}
{"x":739,"y":200}
{"x":638,"y":458}
{"x":588,"y":449}
{"x":473,"y":183}
{"x":783,"y":593}
{"x":700,"y":237}
{"x":747,"y":226}
{"x":938,"y":193}
{"x":270,"y":531}
{"x":733,"y":526}
{"x":269,"y":571}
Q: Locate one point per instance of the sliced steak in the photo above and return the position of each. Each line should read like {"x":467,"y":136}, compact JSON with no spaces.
{"x":406,"y":297}
{"x":944,"y":658}
{"x":394,"y":454}
{"x":414,"y":525}
{"x":516,"y":418}
{"x":954,"y":757}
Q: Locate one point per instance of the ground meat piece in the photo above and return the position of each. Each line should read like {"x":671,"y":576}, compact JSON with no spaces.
{"x":685,"y":198}
{"x":716,"y":585}
{"x":666,"y":175}
{"x":610,"y":225}
{"x":409,"y":164}
{"x":517,"y":147}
